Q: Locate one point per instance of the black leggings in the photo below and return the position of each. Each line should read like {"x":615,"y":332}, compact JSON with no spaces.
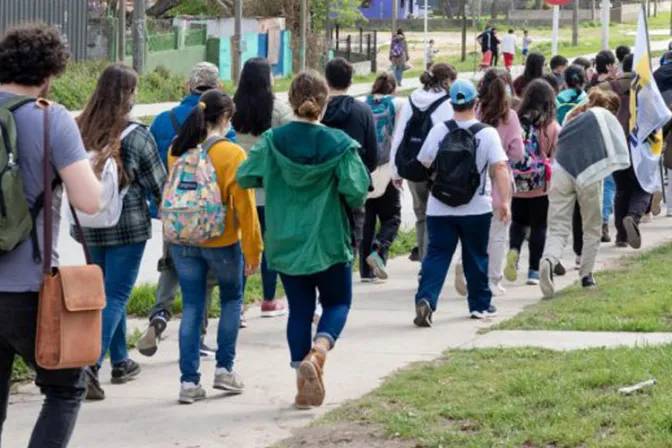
{"x":532,"y":213}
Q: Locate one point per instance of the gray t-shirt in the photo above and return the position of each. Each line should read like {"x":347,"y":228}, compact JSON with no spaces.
{"x":18,"y":270}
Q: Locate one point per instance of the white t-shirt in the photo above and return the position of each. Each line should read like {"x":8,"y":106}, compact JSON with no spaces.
{"x":489,"y":152}
{"x":509,"y":44}
{"x":527,"y":40}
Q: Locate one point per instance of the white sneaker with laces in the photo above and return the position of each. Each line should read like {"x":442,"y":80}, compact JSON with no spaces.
{"x":497,"y":289}
{"x":191,"y":393}
{"x":229,"y":381}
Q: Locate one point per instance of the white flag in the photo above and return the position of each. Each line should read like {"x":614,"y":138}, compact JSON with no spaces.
{"x":648,"y":114}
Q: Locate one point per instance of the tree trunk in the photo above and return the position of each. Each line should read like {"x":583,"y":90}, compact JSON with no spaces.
{"x":575,"y":24}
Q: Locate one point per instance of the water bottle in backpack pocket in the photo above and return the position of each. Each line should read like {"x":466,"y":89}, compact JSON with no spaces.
{"x":456,"y":177}
{"x":112,"y":200}
{"x":192,"y":209}
{"x":534,"y":171}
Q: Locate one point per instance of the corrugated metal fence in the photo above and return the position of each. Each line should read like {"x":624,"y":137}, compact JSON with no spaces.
{"x":69,"y":16}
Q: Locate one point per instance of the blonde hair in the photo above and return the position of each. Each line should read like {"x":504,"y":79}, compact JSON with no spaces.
{"x":597,"y":97}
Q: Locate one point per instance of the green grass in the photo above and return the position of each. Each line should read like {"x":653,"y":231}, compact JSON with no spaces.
{"x":524,"y":398}
{"x":635,"y":297}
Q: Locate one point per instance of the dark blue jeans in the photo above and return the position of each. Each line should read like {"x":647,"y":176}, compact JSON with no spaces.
{"x":269,"y":278}
{"x":444,"y":233}
{"x":63,"y":390}
{"x":192,"y":264}
{"x":335,"y":288}
{"x":120,"y":265}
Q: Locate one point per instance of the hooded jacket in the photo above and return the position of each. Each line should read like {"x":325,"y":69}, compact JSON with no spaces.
{"x":422,"y":99}
{"x":356,"y":120}
{"x":663,"y":77}
{"x":403,"y":59}
{"x":311,"y":175}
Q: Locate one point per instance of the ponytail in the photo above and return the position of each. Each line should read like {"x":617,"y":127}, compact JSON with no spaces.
{"x":436,"y":78}
{"x":494,"y":101}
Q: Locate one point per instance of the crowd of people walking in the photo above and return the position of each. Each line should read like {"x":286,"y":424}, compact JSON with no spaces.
{"x":300,"y":191}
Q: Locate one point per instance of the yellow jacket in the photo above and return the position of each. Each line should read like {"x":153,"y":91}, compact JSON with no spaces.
{"x":242,"y":221}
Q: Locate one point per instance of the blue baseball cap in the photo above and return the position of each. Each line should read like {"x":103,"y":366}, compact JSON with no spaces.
{"x":462,"y":92}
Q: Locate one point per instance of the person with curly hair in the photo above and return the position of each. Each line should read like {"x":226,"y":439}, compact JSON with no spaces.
{"x":31,"y":56}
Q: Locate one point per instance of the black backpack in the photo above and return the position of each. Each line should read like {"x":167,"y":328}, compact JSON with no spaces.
{"x":456,"y":176}
{"x":416,"y":132}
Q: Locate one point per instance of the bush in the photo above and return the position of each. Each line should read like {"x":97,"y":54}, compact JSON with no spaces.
{"x":74,"y":88}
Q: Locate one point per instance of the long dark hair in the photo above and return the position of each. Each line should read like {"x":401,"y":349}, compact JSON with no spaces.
{"x":534,"y":69}
{"x":435,"y":78}
{"x":493,"y":101}
{"x":213,"y":106}
{"x":538,"y":104}
{"x":254,"y":98}
{"x":385,"y":84}
{"x":106,"y":116}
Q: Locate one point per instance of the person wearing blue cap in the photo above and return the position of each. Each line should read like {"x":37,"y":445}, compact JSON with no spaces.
{"x":464,"y":155}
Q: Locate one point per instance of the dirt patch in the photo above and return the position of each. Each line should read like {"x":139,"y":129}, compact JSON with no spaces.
{"x":350,"y":435}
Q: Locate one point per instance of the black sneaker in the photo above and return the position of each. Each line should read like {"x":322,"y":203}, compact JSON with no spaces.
{"x":632,"y":232}
{"x":125,"y":371}
{"x":588,"y":281}
{"x":487,"y":314}
{"x":560,"y":270}
{"x":149,"y":342}
{"x":423,"y":314}
{"x":207,"y":352}
{"x":546,"y":282}
{"x":415,"y":254}
{"x":93,"y":389}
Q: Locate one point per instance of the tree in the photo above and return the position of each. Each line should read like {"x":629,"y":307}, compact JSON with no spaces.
{"x":192,"y":7}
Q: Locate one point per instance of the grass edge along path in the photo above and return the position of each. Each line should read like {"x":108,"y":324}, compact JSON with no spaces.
{"x":633,"y":297}
{"x":528,"y":397}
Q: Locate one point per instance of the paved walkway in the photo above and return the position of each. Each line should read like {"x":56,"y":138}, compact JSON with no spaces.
{"x":378,"y":340}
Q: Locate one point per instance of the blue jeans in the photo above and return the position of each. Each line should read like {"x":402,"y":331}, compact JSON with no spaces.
{"x":192,"y":264}
{"x":399,"y":73}
{"x":444,"y":233}
{"x":120,"y":265}
{"x":608,"y":201}
{"x":335,"y":288}
{"x":269,"y":278}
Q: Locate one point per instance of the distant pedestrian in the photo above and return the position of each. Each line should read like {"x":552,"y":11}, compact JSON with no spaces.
{"x":102,"y":122}
{"x":399,"y":55}
{"x":578,"y":177}
{"x":494,"y":46}
{"x":509,"y":49}
{"x":622,"y":51}
{"x":311,"y":174}
{"x":257,"y":111}
{"x":532,"y":175}
{"x":527,"y":40}
{"x":203,"y":163}
{"x":606,"y":68}
{"x":383,"y":204}
{"x":430,"y":53}
{"x":465,"y":155}
{"x":558,"y":67}
{"x":31,"y":57}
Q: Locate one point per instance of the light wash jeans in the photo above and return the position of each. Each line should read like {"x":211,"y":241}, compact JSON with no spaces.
{"x":192,"y":264}
{"x":608,"y":201}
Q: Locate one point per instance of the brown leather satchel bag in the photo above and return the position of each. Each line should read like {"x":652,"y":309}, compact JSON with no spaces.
{"x":69,"y":317}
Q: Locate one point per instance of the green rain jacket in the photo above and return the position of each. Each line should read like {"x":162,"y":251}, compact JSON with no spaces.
{"x":311,"y":174}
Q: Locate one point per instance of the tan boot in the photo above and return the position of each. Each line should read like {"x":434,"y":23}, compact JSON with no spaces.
{"x":310,"y":372}
{"x":301,"y":402}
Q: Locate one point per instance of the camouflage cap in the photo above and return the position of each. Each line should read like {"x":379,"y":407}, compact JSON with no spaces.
{"x":204,"y":74}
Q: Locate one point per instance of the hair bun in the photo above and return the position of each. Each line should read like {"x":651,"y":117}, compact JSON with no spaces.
{"x":309,"y":108}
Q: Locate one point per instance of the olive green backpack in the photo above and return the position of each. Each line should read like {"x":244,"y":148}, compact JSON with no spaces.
{"x":16,"y":218}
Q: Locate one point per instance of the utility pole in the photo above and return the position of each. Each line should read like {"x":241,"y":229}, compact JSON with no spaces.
{"x":121,"y":51}
{"x":426,"y":31}
{"x":237,"y":65}
{"x":605,"y":24}
{"x":139,"y":35}
{"x":304,"y":29}
{"x":575,"y":24}
{"x":556,"y":28}
{"x":464,"y":31}
{"x":327,"y":34}
{"x":395,"y":16}
{"x":593,"y":12}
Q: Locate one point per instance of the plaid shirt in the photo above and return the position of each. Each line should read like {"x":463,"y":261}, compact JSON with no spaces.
{"x":147,"y":175}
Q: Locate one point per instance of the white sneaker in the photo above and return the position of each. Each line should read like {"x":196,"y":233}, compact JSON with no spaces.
{"x":497,"y":289}
{"x":229,"y":381}
{"x":191,"y":393}
{"x":460,"y":280}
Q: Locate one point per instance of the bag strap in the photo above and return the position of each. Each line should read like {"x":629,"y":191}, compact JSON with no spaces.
{"x":176,"y":123}
{"x":436,"y":104}
{"x":48,"y":198}
{"x":211,"y":142}
{"x":15,"y":103}
{"x":452,"y":125}
{"x":476,"y":128}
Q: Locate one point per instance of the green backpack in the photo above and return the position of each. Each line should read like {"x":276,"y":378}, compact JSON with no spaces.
{"x":16,"y":219}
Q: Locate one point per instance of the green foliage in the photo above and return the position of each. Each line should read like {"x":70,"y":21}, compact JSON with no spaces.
{"x":20,"y":371}
{"x":345,"y":13}
{"x":74,"y":88}
{"x":195,"y":8}
{"x":162,"y":42}
{"x":196,"y":37}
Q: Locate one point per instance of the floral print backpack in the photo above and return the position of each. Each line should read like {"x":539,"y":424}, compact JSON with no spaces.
{"x":192,"y":209}
{"x":534,"y":171}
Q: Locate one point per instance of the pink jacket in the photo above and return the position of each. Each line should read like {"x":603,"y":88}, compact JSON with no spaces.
{"x":511,"y":134}
{"x":549,"y":142}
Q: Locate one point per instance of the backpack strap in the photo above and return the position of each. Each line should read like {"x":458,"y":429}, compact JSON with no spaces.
{"x":476,"y":128}
{"x":436,"y":104}
{"x":451,"y":125}
{"x":15,"y":103}
{"x":176,"y":123}
{"x":211,"y":142}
